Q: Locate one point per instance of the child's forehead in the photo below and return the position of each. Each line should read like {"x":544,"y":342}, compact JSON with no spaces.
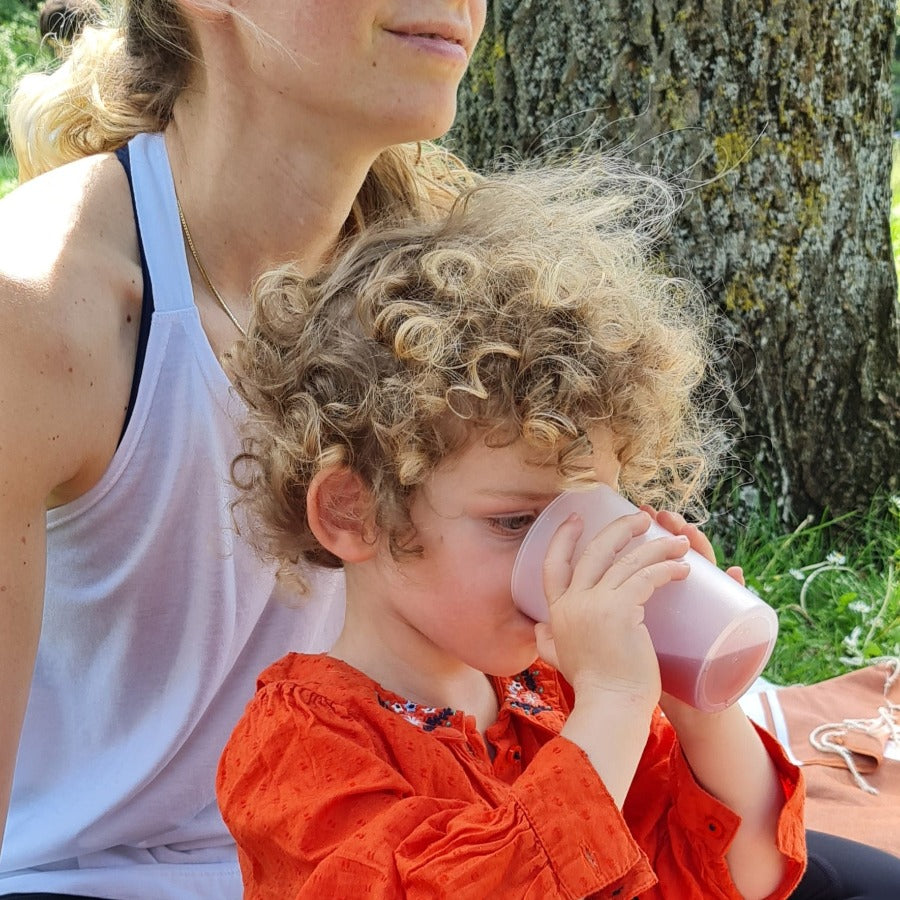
{"x":514,"y":466}
{"x":482,"y":450}
{"x":509,"y":466}
{"x":481,"y":473}
{"x":477,"y":447}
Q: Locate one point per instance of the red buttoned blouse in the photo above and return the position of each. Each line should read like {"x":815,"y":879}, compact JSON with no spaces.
{"x":336,"y":788}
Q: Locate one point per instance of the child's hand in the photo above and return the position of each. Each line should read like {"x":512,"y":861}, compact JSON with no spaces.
{"x":681,"y":714}
{"x":596,"y":636}
{"x":677,"y":524}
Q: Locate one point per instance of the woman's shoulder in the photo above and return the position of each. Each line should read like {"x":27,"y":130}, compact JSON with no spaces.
{"x":70,"y":299}
{"x":71,"y":221}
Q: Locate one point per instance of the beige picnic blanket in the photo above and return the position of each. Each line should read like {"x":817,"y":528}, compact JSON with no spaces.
{"x":845,"y":733}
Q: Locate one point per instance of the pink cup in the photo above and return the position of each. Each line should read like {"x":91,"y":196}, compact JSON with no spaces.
{"x":712,"y":637}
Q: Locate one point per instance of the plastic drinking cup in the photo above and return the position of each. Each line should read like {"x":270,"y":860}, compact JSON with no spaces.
{"x":712,"y":637}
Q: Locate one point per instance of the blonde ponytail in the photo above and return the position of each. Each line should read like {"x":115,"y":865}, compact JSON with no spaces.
{"x":121,"y":78}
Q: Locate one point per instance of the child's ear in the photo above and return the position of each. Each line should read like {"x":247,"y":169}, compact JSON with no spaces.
{"x":340,"y":515}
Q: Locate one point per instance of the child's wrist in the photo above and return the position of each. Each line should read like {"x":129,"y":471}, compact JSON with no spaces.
{"x":611,"y":727}
{"x":614,"y":695}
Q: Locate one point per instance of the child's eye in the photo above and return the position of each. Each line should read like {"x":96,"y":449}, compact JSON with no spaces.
{"x":512,"y":525}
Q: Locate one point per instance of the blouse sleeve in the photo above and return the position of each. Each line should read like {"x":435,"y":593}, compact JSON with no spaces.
{"x":318,"y":810}
{"x":687,"y":832}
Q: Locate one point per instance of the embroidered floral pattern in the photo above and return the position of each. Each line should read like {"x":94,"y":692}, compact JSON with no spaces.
{"x":425,"y":717}
{"x":524,"y":692}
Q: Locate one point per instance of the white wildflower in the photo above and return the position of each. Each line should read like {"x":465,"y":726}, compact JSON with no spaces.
{"x":799,"y":575}
{"x":835,"y":558}
{"x":851,"y":641}
{"x":859,"y":606}
{"x":854,"y":662}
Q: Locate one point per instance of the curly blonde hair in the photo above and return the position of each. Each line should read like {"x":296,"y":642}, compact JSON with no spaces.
{"x":534,"y":311}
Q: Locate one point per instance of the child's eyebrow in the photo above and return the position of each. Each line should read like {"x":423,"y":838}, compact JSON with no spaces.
{"x":513,"y":494}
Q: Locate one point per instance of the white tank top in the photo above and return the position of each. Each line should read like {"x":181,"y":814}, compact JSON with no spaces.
{"x":157,"y":620}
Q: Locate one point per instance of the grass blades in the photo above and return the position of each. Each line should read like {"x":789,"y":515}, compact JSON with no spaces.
{"x":8,"y":174}
{"x":834,"y":584}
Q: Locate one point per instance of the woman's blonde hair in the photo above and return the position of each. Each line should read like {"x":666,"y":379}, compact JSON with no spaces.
{"x":534,"y":311}
{"x":123,"y":76}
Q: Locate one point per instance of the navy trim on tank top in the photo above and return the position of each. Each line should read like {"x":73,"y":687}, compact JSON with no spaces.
{"x":147,"y":307}
{"x":48,"y":897}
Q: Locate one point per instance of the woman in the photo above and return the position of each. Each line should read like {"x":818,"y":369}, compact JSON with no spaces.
{"x":133,"y":620}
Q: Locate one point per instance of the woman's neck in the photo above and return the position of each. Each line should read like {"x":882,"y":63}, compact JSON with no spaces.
{"x":256,"y":196}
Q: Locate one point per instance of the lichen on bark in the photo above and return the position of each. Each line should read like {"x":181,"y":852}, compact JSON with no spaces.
{"x":777,"y":116}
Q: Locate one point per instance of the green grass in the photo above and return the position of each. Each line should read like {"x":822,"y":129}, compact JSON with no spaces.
{"x":7,"y":174}
{"x":835,"y":585}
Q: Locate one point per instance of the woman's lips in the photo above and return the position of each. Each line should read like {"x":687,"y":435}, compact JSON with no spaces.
{"x":443,"y":44}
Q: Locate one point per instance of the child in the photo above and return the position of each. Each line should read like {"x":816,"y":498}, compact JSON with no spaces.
{"x":413,"y":410}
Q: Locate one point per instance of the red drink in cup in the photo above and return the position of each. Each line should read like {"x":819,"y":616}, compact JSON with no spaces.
{"x":712,"y":637}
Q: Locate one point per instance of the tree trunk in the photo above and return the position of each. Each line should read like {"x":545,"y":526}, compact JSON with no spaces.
{"x":778,"y":114}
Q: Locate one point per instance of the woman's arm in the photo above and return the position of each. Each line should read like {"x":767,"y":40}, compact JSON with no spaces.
{"x":65,"y":378}
{"x":21,"y":581}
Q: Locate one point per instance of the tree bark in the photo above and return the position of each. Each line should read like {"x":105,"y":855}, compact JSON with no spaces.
{"x":778,"y":115}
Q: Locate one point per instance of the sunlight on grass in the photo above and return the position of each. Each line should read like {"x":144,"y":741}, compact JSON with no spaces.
{"x":7,"y":174}
{"x":835,"y":585}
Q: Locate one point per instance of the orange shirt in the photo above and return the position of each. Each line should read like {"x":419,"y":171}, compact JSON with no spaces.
{"x":334,"y":787}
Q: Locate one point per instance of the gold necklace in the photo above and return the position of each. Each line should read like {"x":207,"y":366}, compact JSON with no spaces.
{"x":207,"y":282}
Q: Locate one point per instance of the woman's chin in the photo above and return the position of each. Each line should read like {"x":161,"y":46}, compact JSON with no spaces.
{"x":422,"y":122}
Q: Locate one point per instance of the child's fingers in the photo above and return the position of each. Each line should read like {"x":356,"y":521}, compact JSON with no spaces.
{"x":557,"y":568}
{"x":649,"y":578}
{"x":603,"y":551}
{"x":700,"y":543}
{"x":677,"y":524}
{"x":672,"y":521}
{"x":649,"y":562}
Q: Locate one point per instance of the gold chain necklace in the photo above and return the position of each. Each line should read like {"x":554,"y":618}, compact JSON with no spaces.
{"x":207,"y":282}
